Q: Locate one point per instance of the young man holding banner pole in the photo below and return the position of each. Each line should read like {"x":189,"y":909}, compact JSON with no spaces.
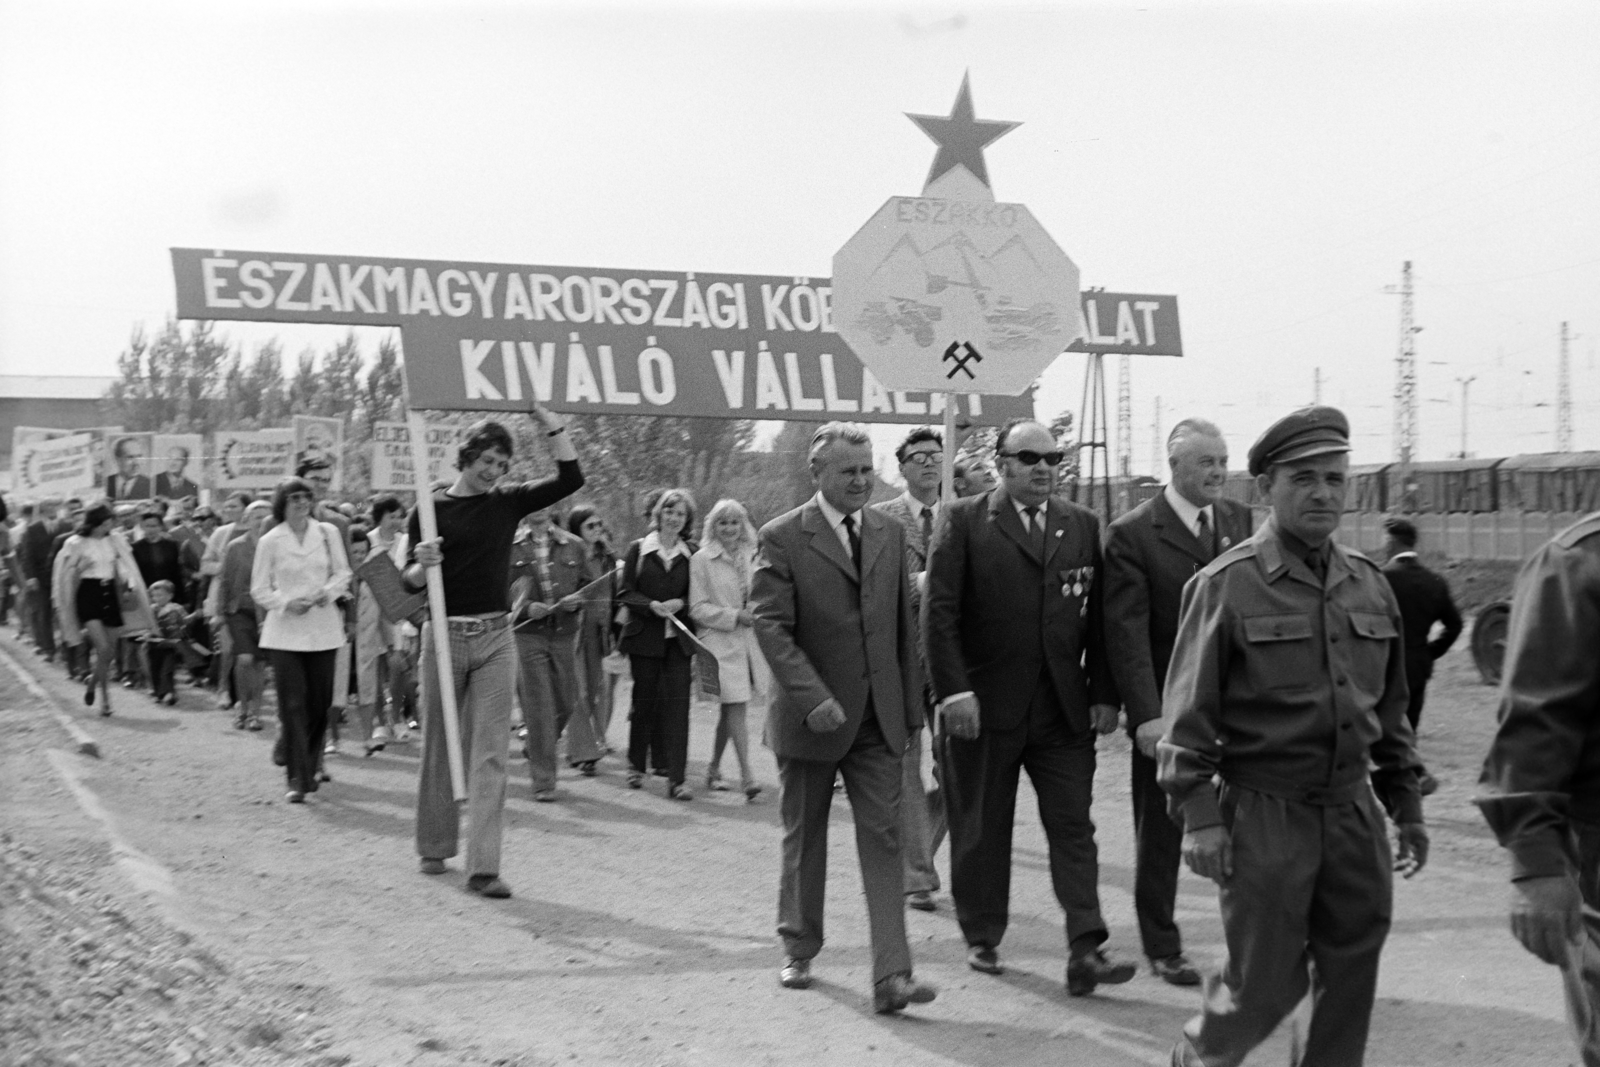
{"x":462,"y":537}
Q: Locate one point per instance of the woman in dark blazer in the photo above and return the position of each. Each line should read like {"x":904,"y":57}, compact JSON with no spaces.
{"x":655,"y":588}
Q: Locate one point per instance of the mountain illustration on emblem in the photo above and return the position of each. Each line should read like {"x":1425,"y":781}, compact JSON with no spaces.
{"x":1006,"y":290}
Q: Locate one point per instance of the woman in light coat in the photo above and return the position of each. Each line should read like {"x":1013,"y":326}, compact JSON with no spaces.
{"x":94,"y":576}
{"x":719,"y":600}
{"x":300,"y":573}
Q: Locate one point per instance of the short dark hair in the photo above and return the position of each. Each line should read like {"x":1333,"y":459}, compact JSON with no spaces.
{"x":916,"y":437}
{"x":280,"y":495}
{"x":312,"y":463}
{"x":678,"y":495}
{"x":482,"y":436}
{"x":1402,"y":530}
{"x":580,"y":514}
{"x":384,"y":504}
{"x":244,"y":497}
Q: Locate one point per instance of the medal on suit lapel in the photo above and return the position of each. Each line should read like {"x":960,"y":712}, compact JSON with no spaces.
{"x":1227,"y":543}
{"x":1076,"y":582}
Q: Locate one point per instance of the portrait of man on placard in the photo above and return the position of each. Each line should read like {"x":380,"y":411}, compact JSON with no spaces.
{"x":317,"y":440}
{"x":179,"y":454}
{"x":129,"y":478}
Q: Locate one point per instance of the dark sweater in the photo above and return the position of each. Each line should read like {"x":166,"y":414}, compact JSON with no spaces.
{"x":477,"y":532}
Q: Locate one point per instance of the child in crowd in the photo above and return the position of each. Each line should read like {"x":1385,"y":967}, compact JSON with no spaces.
{"x":165,"y":642}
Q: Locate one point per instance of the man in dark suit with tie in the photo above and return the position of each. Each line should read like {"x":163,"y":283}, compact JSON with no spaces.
{"x":1151,"y":553}
{"x":921,"y":812}
{"x":833,"y":617}
{"x":1014,"y":642}
{"x":1424,"y":598}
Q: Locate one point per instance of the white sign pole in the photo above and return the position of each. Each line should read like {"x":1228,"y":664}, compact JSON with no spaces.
{"x":436,"y":611}
{"x":949,"y":446}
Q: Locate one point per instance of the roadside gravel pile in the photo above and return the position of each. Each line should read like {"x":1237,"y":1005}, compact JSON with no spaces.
{"x":86,"y":981}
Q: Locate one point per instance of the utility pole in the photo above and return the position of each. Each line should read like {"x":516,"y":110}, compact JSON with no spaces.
{"x":1124,"y":416}
{"x":1465,"y":382}
{"x":1316,"y":385}
{"x":1405,"y":389}
{"x":1564,"y":396}
{"x":1158,"y":443}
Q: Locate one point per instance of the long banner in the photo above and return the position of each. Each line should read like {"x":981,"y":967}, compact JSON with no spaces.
{"x":492,"y":336}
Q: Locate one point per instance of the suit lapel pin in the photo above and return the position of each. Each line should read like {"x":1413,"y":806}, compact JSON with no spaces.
{"x":1058,"y":533}
{"x":1227,"y":542}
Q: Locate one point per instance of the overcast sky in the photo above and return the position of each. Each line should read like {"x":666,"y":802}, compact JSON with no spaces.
{"x":1272,"y":164}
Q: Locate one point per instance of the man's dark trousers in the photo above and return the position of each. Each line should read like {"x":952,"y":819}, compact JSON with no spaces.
{"x":980,"y":781}
{"x":41,"y":618}
{"x":1156,"y":840}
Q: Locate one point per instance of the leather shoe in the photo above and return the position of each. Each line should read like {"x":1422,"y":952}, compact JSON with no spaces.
{"x":429,"y":865}
{"x":985,"y":959}
{"x":1175,"y":970}
{"x":921,"y":899}
{"x":1091,"y":969}
{"x":489,"y":885}
{"x":1427,"y":784}
{"x":796,"y":973}
{"x":893,"y":993}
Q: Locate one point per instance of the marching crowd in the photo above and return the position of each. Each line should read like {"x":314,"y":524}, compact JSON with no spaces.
{"x":1270,"y":679}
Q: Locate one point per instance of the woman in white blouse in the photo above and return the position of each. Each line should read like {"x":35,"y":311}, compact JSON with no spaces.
{"x":299,"y":575}
{"x":719,"y":600}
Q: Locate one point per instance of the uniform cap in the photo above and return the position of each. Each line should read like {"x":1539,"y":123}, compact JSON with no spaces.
{"x":1310,"y":431}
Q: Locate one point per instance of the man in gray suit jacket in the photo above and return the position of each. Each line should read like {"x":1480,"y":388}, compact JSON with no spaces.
{"x":833,"y":617}
{"x":1151,"y":553}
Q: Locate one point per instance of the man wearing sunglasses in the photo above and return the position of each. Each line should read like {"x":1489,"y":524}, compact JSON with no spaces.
{"x":1014,"y":644}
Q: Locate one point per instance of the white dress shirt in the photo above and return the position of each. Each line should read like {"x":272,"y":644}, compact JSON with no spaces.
{"x":1188,"y":514}
{"x":836,"y":519}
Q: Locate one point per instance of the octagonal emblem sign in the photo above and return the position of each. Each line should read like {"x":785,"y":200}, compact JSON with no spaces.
{"x":957,"y":296}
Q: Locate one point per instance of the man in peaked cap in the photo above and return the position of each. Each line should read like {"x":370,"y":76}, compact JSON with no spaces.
{"x":1289,"y":649}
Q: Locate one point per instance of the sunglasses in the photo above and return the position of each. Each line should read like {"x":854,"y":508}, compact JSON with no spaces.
{"x":923,"y":459}
{"x":1027,"y":457}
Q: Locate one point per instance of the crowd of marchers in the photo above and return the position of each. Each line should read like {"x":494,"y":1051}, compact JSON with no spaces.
{"x":1270,"y":678}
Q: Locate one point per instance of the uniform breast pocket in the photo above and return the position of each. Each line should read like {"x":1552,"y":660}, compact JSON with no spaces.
{"x":1282,"y":654}
{"x":1369,"y":652}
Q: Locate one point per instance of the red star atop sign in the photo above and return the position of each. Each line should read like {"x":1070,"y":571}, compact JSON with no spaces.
{"x":961,"y":137}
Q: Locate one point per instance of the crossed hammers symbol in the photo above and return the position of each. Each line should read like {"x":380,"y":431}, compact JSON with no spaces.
{"x":953,"y":353}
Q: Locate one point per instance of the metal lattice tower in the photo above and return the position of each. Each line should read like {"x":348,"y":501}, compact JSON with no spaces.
{"x":1124,"y":416}
{"x":1564,"y":396}
{"x":1405,"y":388}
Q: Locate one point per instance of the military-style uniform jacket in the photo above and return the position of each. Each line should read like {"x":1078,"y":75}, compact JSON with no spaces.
{"x":1287,"y":687}
{"x":1544,"y":766}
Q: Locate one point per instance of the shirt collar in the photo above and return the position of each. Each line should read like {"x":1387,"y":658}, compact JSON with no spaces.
{"x":1186,"y":511}
{"x":834,"y":516}
{"x":918,"y":507}
{"x":1402,"y":555}
{"x":652,"y":543}
{"x":1022,"y":509}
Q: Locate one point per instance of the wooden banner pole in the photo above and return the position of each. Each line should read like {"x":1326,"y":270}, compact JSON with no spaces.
{"x":949,"y":480}
{"x":429,"y":524}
